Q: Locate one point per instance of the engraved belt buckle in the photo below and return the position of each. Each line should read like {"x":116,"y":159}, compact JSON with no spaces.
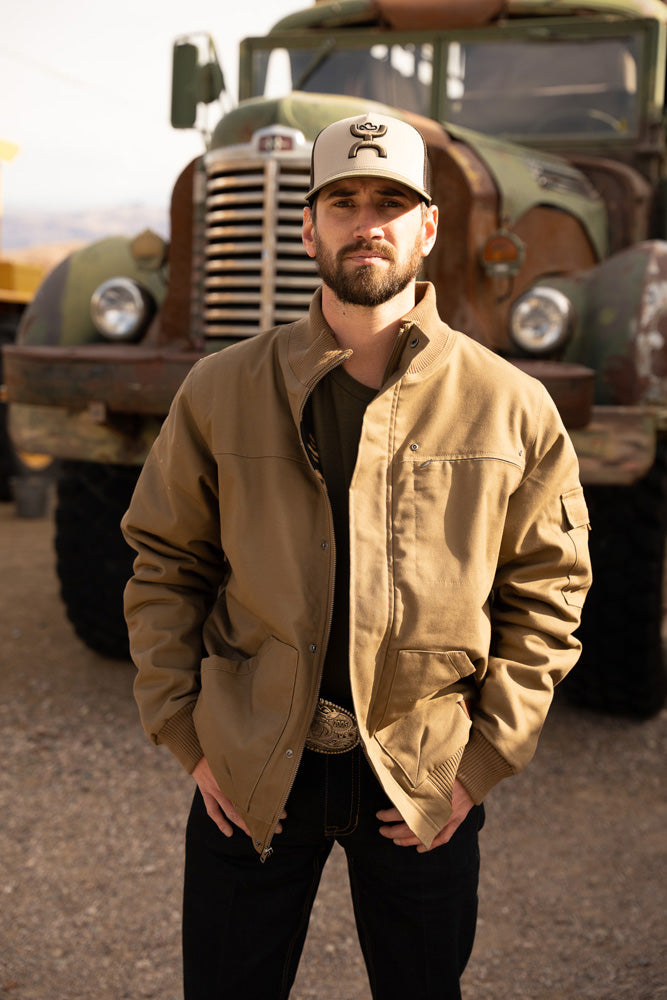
{"x":333,"y":729}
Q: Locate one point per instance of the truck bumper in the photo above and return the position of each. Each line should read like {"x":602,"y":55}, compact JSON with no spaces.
{"x":124,"y":379}
{"x":100,"y":403}
{"x":106,"y":403}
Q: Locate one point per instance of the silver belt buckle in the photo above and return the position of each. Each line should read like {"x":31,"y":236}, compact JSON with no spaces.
{"x":333,"y":729}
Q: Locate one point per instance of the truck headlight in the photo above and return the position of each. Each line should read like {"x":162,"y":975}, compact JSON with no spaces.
{"x":541,"y":320}
{"x":121,"y":309}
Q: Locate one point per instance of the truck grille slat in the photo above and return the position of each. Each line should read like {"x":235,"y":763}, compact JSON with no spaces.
{"x":284,"y":299}
{"x":256,"y":272}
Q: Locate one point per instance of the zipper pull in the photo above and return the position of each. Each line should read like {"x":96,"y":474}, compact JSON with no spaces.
{"x":266,"y":854}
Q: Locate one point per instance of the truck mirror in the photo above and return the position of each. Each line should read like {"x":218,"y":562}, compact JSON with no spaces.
{"x":192,"y":82}
{"x":184,"y":85}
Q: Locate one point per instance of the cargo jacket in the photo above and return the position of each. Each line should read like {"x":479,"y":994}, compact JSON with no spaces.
{"x":469,"y":568}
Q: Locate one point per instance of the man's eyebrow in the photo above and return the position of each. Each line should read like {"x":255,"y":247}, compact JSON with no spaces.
{"x":347,"y":191}
{"x":340,"y":192}
{"x":395,"y":192}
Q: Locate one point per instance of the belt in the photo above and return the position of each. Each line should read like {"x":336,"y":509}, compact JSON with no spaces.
{"x":333,"y":729}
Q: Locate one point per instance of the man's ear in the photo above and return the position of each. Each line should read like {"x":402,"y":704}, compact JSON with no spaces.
{"x":307,"y":231}
{"x":430,"y":228}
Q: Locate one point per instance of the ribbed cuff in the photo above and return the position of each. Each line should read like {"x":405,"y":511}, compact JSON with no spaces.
{"x":180,"y":736}
{"x":481,"y":767}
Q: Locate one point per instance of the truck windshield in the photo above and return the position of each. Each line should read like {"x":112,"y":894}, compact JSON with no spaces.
{"x":553,"y":87}
{"x":520,"y":88}
{"x":398,"y":75}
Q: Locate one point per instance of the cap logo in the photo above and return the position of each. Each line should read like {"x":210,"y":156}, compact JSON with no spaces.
{"x":367,"y":133}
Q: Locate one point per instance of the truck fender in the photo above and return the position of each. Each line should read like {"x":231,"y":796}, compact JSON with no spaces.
{"x":60,"y":311}
{"x":622,"y":326}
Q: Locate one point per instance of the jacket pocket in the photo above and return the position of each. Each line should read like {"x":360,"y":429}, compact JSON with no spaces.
{"x":241,"y":714}
{"x":577,"y":525}
{"x":424,"y":725}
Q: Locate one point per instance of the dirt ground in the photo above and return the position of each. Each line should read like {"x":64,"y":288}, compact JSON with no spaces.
{"x":574,"y":851}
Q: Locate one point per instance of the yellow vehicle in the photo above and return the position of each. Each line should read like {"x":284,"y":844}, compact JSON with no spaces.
{"x":19,"y":280}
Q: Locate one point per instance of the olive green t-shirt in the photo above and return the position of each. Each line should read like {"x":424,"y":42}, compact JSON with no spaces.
{"x":338,"y":406}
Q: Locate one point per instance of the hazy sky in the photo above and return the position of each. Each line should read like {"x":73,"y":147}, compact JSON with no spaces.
{"x":85,"y":94}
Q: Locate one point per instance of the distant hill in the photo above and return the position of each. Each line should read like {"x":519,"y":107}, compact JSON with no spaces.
{"x":19,"y":230}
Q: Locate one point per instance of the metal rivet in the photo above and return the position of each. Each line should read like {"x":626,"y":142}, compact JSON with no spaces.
{"x":414,"y":342}
{"x":258,"y":843}
{"x":313,"y":647}
{"x":325,"y":545}
{"x":289,"y":753}
{"x":414,"y":447}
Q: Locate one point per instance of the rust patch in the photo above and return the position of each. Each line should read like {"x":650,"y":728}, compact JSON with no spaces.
{"x":172,"y":323}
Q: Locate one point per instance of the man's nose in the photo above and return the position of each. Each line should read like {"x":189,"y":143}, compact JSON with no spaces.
{"x":368,"y":224}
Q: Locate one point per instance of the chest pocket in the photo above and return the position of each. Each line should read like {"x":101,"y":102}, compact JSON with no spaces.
{"x":450,"y":513}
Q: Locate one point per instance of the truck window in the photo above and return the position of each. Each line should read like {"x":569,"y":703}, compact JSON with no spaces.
{"x":554,"y":87}
{"x":399,"y":75}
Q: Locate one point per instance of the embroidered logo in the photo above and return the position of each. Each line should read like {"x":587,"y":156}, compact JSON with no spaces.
{"x":368,"y":134}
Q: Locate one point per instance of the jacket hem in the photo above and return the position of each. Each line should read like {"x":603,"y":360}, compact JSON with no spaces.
{"x":444,"y":775}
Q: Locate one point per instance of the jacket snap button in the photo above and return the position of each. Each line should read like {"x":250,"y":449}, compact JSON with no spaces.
{"x":414,"y":447}
{"x":289,"y":753}
{"x":313,"y":647}
{"x":414,"y":342}
{"x":325,"y":545}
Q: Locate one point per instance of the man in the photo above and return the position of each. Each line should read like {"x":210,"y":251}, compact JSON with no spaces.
{"x":362,"y":553}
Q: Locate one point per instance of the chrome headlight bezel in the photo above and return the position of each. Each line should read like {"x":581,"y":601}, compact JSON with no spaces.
{"x":121,"y":309}
{"x":541,"y":321}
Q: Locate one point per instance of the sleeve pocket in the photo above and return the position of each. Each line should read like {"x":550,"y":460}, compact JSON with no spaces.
{"x":576,"y":511}
{"x":577,"y":525}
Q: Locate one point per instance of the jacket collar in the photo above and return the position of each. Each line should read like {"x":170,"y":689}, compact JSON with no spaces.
{"x":423,"y":337}
{"x":312,"y":350}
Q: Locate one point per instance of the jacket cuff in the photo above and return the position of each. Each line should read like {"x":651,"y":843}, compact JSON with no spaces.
{"x":180,"y":736}
{"x":481,"y":767}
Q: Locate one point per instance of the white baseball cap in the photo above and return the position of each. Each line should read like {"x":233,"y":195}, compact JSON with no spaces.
{"x":370,"y":146}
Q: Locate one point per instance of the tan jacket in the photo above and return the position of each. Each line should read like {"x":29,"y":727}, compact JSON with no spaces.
{"x":469,"y":568}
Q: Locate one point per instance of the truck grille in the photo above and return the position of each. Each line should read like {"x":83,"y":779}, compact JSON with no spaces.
{"x":256,"y":271}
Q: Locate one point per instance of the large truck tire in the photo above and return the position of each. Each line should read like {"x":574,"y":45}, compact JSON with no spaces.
{"x":93,"y":560}
{"x":622,"y":666}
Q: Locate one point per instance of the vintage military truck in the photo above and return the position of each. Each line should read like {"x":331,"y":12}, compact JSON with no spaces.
{"x":545,"y":123}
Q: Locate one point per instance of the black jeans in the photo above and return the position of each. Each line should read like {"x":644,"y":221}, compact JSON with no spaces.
{"x":245,"y":923}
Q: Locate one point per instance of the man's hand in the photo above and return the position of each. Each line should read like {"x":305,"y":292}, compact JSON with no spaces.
{"x":402,"y":835}
{"x":218,"y":806}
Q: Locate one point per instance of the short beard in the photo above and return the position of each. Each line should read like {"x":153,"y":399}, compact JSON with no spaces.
{"x":366,"y":285}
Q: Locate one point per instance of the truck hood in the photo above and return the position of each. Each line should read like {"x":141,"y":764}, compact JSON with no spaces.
{"x":524,"y":177}
{"x":298,"y":110}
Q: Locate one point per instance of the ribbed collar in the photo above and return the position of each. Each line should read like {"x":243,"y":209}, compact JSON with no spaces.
{"x":422,"y":339}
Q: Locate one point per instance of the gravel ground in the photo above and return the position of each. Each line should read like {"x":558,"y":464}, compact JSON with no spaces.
{"x":574,"y":851}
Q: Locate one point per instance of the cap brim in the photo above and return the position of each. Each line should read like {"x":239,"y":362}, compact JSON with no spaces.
{"x":388,"y":174}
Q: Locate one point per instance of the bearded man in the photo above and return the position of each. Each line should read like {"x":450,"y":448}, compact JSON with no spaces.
{"x":361,"y":557}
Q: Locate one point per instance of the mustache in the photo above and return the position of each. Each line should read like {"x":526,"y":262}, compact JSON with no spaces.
{"x":381,"y":249}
